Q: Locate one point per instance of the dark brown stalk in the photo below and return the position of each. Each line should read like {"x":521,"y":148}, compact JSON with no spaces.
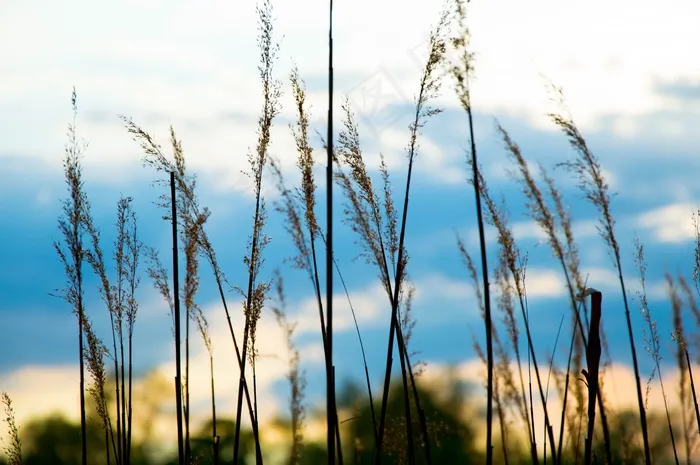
{"x":593,"y":359}
{"x":540,"y":212}
{"x":176,"y":311}
{"x":595,"y":188}
{"x":565,"y":254}
{"x":331,"y":412}
{"x":570,"y":261}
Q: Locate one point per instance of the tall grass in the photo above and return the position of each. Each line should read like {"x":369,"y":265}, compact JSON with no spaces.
{"x":380,"y":226}
{"x":255,"y":293}
{"x":333,"y":431}
{"x":462,"y":72}
{"x":381,"y":236}
{"x":14,"y":448}
{"x":592,"y":183}
{"x":72,"y":251}
{"x":652,"y":338}
{"x":295,"y":376}
{"x":82,"y":245}
{"x":122,"y":307}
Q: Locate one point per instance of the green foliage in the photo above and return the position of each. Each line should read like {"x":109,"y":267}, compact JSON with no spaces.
{"x":451,"y":438}
{"x":55,"y":440}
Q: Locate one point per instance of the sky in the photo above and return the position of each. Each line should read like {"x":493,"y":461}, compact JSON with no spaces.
{"x":627,"y":70}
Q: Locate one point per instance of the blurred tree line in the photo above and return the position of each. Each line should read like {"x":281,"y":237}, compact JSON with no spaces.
{"x":56,"y":440}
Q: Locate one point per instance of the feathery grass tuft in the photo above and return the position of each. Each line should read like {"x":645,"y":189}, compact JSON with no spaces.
{"x":14,"y":448}
{"x":594,"y":187}
{"x":72,"y":253}
{"x":295,"y":376}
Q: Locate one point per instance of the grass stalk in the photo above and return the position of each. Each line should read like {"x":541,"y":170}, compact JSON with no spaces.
{"x":176,"y":311}
{"x":331,"y":412}
{"x":503,"y":365}
{"x":189,"y":213}
{"x":362,"y":351}
{"x":70,"y":225}
{"x":543,"y":217}
{"x":255,"y":292}
{"x":593,"y":357}
{"x":676,"y":306}
{"x":14,"y":448}
{"x":679,"y":338}
{"x":595,"y":188}
{"x":692,"y":390}
{"x":429,"y":88}
{"x":203,"y":327}
{"x":487,"y":298}
{"x":134,"y":247}
{"x":296,"y":378}
{"x":190,"y":237}
{"x":512,"y":263}
{"x":462,"y":73}
{"x":652,"y":339}
{"x":94,"y":357}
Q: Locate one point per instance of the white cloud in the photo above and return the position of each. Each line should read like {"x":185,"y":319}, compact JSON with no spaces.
{"x":540,"y":283}
{"x":436,"y":284}
{"x":38,"y":390}
{"x":192,"y":63}
{"x":369,"y":304}
{"x":671,"y":223}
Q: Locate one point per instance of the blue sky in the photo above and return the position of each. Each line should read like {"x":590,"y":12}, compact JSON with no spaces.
{"x":632,"y":86}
